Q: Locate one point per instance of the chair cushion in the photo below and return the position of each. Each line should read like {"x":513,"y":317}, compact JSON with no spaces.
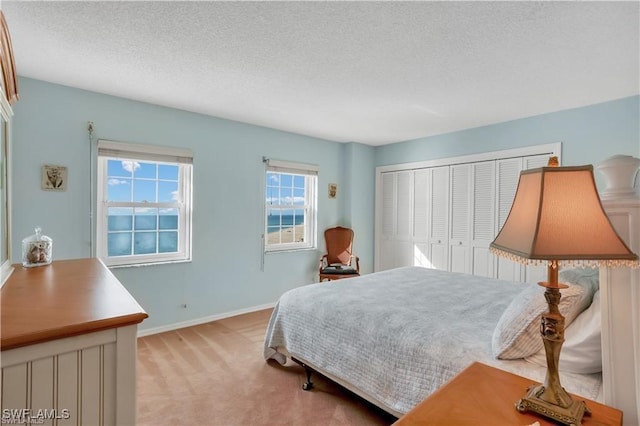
{"x":338,"y":270}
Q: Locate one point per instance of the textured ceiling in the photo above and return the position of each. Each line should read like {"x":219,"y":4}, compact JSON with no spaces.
{"x":368,"y":72}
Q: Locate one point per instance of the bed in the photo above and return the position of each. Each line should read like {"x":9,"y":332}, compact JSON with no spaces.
{"x":393,"y":337}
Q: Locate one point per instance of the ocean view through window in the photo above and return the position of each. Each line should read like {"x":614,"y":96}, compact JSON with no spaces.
{"x":144,"y":204}
{"x":290,"y":206}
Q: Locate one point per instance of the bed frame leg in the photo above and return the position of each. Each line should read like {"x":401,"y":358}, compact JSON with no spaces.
{"x":308,"y":385}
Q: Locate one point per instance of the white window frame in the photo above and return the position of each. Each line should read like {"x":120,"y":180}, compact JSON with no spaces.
{"x":110,"y":150}
{"x":310,"y":173}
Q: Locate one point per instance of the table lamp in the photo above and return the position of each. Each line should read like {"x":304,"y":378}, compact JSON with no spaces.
{"x":557,"y":219}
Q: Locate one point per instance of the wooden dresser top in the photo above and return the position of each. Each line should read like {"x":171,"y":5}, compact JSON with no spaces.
{"x":63,"y":299}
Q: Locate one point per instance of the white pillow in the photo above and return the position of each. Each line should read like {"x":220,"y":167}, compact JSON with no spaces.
{"x":582,"y":348}
{"x":517,"y":334}
{"x":585,"y":276}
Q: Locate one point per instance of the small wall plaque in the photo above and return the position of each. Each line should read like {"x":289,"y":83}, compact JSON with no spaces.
{"x":54,"y":178}
{"x":333,"y":190}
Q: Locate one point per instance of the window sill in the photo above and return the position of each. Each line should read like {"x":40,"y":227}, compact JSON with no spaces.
{"x":142,"y":265}
{"x":290,"y":250}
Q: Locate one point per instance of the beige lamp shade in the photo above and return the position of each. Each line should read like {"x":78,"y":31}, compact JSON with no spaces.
{"x":557,"y":215}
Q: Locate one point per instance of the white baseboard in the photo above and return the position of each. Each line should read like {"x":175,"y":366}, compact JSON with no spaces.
{"x":203,"y":320}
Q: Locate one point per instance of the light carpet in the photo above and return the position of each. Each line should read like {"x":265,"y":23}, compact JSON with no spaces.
{"x":214,"y":374}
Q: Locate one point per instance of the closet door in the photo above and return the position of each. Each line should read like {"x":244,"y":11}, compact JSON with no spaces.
{"x":404,"y":222}
{"x":395,"y":243}
{"x":534,"y":274}
{"x":460,"y":191}
{"x":439,"y":219}
{"x":445,"y":216}
{"x":507,"y":176}
{"x":388,"y":220}
{"x":535,"y":161}
{"x":482,"y":218}
{"x":421,"y":197}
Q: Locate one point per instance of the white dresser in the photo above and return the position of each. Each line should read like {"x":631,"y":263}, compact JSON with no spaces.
{"x":68,"y":340}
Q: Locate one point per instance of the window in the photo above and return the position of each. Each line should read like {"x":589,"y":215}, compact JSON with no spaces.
{"x":144,"y":204}
{"x":290,"y":206}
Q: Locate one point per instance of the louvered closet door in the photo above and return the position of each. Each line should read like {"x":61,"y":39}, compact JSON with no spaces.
{"x":534,"y":274}
{"x":395,"y":244}
{"x":483,"y":218}
{"x":446,"y":216}
{"x":439,"y":218}
{"x":421,"y":197}
{"x":535,"y":161}
{"x":460,"y":218}
{"x":404,"y":189}
{"x":388,"y":220}
{"x":507,"y":176}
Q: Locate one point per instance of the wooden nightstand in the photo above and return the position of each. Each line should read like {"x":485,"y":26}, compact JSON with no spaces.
{"x":483,"y":395}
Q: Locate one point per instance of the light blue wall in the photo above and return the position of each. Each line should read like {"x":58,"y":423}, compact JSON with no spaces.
{"x":50,"y":127}
{"x":358,"y":202}
{"x":588,"y":135}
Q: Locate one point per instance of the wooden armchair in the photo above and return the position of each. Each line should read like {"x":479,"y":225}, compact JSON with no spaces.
{"x":338,"y":262}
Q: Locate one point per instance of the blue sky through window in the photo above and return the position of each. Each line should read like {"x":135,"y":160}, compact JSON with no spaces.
{"x":285,"y":189}
{"x":136,"y":181}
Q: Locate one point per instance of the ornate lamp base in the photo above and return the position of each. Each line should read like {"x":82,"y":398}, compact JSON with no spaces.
{"x":570,"y":415}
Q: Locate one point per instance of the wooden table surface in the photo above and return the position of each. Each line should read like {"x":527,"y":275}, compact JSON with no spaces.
{"x":483,"y":395}
{"x":63,"y":299}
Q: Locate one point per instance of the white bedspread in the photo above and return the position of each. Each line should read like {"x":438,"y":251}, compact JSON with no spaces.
{"x":396,"y":336}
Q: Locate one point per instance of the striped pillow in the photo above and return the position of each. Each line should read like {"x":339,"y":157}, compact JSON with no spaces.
{"x":517,"y":334}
